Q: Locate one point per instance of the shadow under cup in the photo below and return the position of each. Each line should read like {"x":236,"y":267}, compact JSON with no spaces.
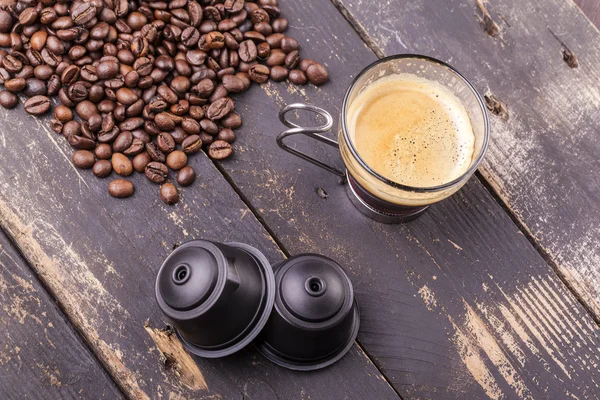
{"x":375,"y":195}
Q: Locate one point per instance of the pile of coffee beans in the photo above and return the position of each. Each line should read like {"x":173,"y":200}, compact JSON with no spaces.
{"x":145,"y":84}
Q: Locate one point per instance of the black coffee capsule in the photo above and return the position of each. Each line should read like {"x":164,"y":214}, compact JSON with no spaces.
{"x":218,"y":296}
{"x":315,"y":319}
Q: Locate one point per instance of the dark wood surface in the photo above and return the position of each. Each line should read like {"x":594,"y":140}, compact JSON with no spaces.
{"x":98,"y":256}
{"x":591,"y":8}
{"x":543,"y":160}
{"x":456,"y":305}
{"x":41,"y":357}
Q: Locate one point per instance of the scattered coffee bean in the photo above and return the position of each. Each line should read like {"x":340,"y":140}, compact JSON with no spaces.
{"x":169,"y":194}
{"x":156,"y":172}
{"x":102,"y":168}
{"x":219,"y":150}
{"x":83,"y":159}
{"x":297,"y":77}
{"x":177,"y":160}
{"x":192,"y":144}
{"x":150,"y":81}
{"x":37,"y":105}
{"x":121,"y":164}
{"x":141,"y":161}
{"x":279,"y":73}
{"x":186,"y":176}
{"x":103,"y":151}
{"x":63,"y":113}
{"x":7,"y":99}
{"x":317,"y":74}
{"x":120,"y":188}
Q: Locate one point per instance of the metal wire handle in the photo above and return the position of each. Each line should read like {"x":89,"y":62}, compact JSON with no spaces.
{"x":312,"y":132}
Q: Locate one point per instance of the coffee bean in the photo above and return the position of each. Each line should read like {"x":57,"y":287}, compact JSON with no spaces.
{"x":297,"y":77}
{"x":123,"y":141}
{"x":85,"y":109}
{"x":234,"y":6}
{"x":107,"y":69}
{"x":6,"y":21}
{"x":56,"y":125}
{"x":120,"y":188}
{"x":82,"y":13}
{"x":263,"y":50}
{"x":276,"y":57}
{"x":219,"y":150}
{"x":103,"y":151}
{"x":165,"y":142}
{"x":102,"y":168}
{"x":80,"y":142}
{"x":177,"y":160}
{"x":259,"y":73}
{"x":279,"y":25}
{"x":83,"y":159}
{"x":195,"y":57}
{"x":15,"y":85}
{"x":190,"y":126}
{"x":156,"y":172}
{"x":168,"y":94}
{"x":186,"y":176}
{"x":8,"y":100}
{"x":232,"y":120}
{"x":305,"y":63}
{"x":220,"y":108}
{"x":141,"y":161}
{"x":215,"y":40}
{"x":180,"y":84}
{"x":11,"y":63}
{"x":155,"y":152}
{"x":317,"y":74}
{"x":121,"y":164}
{"x":168,"y":194}
{"x":136,"y":147}
{"x":126,"y":96}
{"x":279,"y":73}
{"x":37,"y":105}
{"x":192,"y":144}
{"x":63,"y":114}
{"x":209,"y":126}
{"x":227,"y":135}
{"x":274,"y":40}
{"x":247,"y":51}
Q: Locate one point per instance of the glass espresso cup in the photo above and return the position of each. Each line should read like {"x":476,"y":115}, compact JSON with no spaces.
{"x":373,"y":194}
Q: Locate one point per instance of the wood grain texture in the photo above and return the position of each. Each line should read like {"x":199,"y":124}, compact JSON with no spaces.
{"x":455,"y":305}
{"x":40,"y":355}
{"x":591,"y":8}
{"x":543,"y":160}
{"x":99,"y":256}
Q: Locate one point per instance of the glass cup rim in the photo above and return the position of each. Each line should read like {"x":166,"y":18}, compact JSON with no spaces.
{"x":397,"y":185}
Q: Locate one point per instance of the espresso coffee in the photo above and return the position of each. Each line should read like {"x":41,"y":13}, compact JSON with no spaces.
{"x":411,"y":130}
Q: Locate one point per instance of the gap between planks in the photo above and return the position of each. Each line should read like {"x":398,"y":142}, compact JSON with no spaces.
{"x":375,"y":48}
{"x":62,"y":312}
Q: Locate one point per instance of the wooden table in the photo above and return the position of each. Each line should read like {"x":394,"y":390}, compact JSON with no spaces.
{"x":494,"y":293}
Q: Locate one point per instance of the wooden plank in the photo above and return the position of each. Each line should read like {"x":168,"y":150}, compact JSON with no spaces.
{"x":543,"y":160}
{"x":455,"y":305}
{"x":591,"y":8}
{"x":40,"y":354}
{"x":98,"y":256}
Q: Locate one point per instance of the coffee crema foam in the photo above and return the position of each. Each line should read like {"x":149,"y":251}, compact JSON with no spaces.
{"x":412,"y":130}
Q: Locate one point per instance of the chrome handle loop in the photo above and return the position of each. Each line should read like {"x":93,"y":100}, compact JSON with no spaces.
{"x":312,"y":132}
